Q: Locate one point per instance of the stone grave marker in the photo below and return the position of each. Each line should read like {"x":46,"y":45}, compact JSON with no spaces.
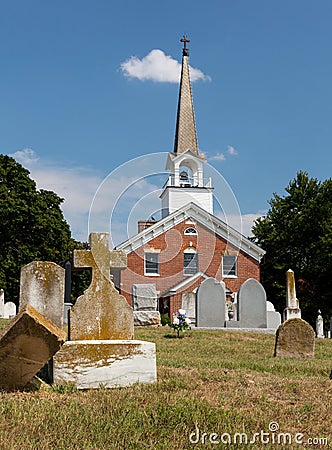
{"x":320,"y":325}
{"x":9,"y":310}
{"x":188,"y":303}
{"x":43,"y":287}
{"x":210,"y":303}
{"x":26,"y":345}
{"x":273,"y":317}
{"x":292,"y":304}
{"x":295,"y":338}
{"x":101,"y":312}
{"x":2,"y":303}
{"x":144,"y":301}
{"x":102,"y":351}
{"x":251,"y":306}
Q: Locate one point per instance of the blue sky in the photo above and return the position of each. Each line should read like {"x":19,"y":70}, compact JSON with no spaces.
{"x":74,"y":106}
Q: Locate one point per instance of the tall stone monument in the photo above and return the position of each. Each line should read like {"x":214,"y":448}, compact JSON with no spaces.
{"x":103,"y":351}
{"x":320,"y":325}
{"x":292,"y":309}
{"x":2,"y":303}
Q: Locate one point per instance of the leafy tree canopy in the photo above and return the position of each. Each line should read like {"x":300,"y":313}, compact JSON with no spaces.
{"x":32,"y":226}
{"x":297,"y":234}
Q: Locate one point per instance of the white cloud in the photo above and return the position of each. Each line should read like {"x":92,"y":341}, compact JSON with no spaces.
{"x":76,"y":185}
{"x":157,"y":66}
{"x":218,"y":157}
{"x":231,"y":150}
{"x":27,"y":156}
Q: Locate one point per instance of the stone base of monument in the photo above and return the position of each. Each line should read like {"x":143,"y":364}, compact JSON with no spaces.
{"x":147,"y":318}
{"x":92,"y":364}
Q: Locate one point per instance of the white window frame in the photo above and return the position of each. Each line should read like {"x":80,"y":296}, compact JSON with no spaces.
{"x":190,"y":231}
{"x":186,"y":269}
{"x":228,"y":275}
{"x":152,"y":274}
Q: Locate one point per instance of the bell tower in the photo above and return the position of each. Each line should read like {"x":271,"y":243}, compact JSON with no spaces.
{"x":186,"y":182}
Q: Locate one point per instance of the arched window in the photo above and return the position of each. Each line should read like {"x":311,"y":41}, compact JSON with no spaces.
{"x":190,"y":230}
{"x":190,"y":261}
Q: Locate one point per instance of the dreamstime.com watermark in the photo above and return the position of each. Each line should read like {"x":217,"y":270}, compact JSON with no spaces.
{"x":273,"y":436}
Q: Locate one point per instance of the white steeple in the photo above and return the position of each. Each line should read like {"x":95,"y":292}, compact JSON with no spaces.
{"x":186,"y":181}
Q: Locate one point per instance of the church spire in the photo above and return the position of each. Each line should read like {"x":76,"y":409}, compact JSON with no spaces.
{"x":185,"y":135}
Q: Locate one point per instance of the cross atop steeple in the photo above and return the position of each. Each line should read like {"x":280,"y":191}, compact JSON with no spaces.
{"x":185,"y":51}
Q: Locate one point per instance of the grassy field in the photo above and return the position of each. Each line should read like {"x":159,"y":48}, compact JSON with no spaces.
{"x":212,"y":381}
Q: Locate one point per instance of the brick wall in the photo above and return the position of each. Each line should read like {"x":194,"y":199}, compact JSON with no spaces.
{"x":171,"y":245}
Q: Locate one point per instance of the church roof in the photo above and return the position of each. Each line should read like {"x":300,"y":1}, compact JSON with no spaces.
{"x":195,"y":212}
{"x":185,"y":134}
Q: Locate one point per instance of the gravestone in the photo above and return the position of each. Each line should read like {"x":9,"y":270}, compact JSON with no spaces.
{"x":273,"y":317}
{"x":2,"y":303}
{"x":144,"y":301}
{"x":103,"y":351}
{"x":292,"y":309}
{"x":295,"y":338}
{"x":330,"y":327}
{"x":210,"y":303}
{"x":188,"y":303}
{"x":320,"y":325}
{"x":251,"y":306}
{"x":43,"y":287}
{"x":26,"y":345}
{"x":101,"y":312}
{"x":9,"y":310}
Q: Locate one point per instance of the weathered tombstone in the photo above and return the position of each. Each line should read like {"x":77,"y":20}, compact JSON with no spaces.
{"x":2,"y":303}
{"x":295,"y":338}
{"x":103,"y":351}
{"x":330,"y":327}
{"x":210,"y":304}
{"x":42,"y":286}
{"x":320,"y":325}
{"x":272,"y":316}
{"x":251,"y":306}
{"x":9,"y":310}
{"x":292,"y":309}
{"x":188,"y":303}
{"x":27,"y":343}
{"x":101,"y":312}
{"x":144,"y":301}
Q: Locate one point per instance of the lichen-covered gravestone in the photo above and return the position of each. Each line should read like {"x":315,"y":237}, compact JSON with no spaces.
{"x":295,"y":338}
{"x":28,"y":342}
{"x":102,"y":351}
{"x":42,"y":286}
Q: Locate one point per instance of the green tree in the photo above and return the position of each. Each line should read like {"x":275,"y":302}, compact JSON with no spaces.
{"x":32,"y":226}
{"x":297,"y":234}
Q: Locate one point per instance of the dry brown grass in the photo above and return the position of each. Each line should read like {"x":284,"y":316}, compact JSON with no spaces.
{"x":218,"y":381}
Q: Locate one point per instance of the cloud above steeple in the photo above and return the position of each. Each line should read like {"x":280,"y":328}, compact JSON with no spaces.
{"x":159,"y":67}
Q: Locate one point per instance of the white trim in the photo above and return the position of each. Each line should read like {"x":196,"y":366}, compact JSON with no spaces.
{"x":193,"y":211}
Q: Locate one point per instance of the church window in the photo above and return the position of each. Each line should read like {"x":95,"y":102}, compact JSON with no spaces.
{"x":151,"y":263}
{"x":190,"y":230}
{"x":190,"y":261}
{"x":229,"y":266}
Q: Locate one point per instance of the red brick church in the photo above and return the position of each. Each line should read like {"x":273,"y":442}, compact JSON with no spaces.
{"x":188,"y":244}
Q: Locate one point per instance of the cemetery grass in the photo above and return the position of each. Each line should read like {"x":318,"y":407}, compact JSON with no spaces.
{"x":214,"y":381}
